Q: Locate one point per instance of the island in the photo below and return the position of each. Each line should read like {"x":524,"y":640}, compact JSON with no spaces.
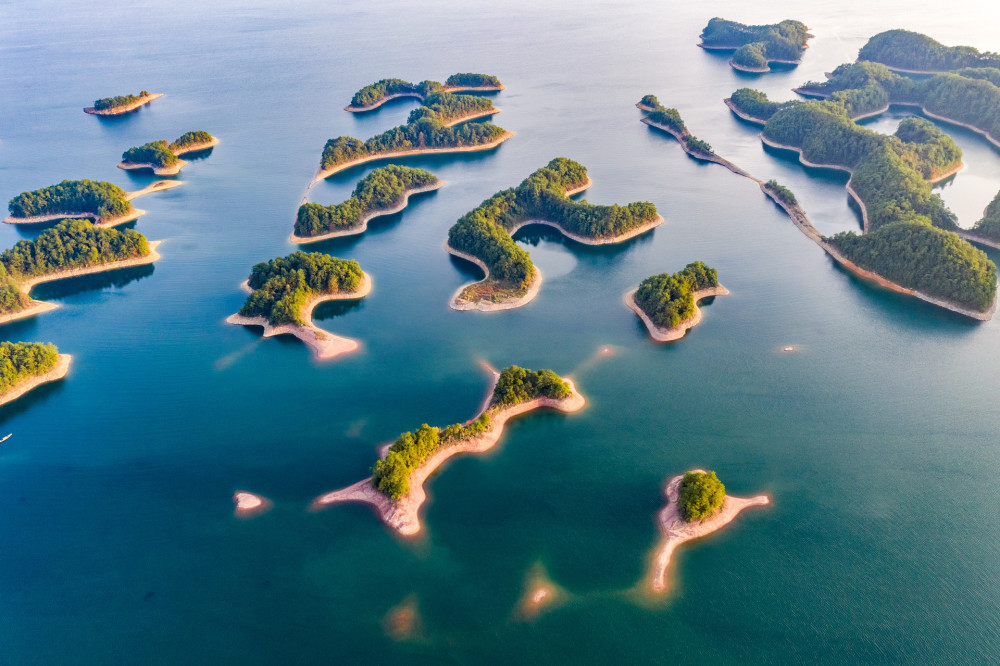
{"x":162,"y":157}
{"x":284,"y":291}
{"x":396,"y":487}
{"x":914,"y":53}
{"x":105,"y":203}
{"x":668,"y":304}
{"x":376,"y":94}
{"x":25,"y":366}
{"x":438,"y":125}
{"x":69,"y":249}
{"x":484,"y":235}
{"x":755,"y":47}
{"x":697,"y":505}
{"x":384,"y":191}
{"x":911,"y":242}
{"x":120,"y":104}
{"x":248,"y":505}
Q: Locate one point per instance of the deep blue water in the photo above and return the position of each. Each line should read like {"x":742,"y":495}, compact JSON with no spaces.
{"x":877,"y":439}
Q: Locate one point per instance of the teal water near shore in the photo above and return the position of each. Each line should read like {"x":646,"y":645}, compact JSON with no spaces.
{"x":876,"y":439}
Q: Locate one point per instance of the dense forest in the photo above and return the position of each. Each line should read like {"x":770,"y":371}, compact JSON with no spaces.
{"x":782,"y":192}
{"x":701,"y":495}
{"x":379,"y":90}
{"x":391,"y":476}
{"x":671,"y":118}
{"x":72,"y":244}
{"x":72,"y":196}
{"x":12,"y":299}
{"x":989,"y":226}
{"x":446,"y":107}
{"x":756,"y":104}
{"x":911,"y":50}
{"x":118,"y":100}
{"x":757,"y":44}
{"x":190,"y":139}
{"x":669,"y":299}
{"x":21,"y":360}
{"x":484,"y":231}
{"x":156,"y":153}
{"x":472,"y":80}
{"x":282,"y":286}
{"x":382,"y":188}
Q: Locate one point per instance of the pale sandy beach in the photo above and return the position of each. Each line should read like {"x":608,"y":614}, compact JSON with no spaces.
{"x":57,"y":372}
{"x":676,"y":530}
{"x":118,"y":110}
{"x":248,"y":505}
{"x":661,"y":334}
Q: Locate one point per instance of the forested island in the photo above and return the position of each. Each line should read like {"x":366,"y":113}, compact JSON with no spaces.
{"x":375,"y":94}
{"x":436,"y":126}
{"x":483,"y":235}
{"x":909,"y":243}
{"x":71,"y":248}
{"x":27,"y":365}
{"x":668,"y":304}
{"x":396,"y":489}
{"x":384,"y":191}
{"x":284,"y":291}
{"x":105,"y":203}
{"x":119,"y":104}
{"x":162,"y":157}
{"x":756,"y":46}
{"x":912,"y":52}
{"x":697,"y":505}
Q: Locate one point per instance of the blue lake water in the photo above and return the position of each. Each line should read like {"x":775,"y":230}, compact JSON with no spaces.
{"x":877,"y":439}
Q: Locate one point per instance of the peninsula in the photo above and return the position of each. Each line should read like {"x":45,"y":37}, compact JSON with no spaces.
{"x":284,"y":291}
{"x":756,"y":46}
{"x":105,"y":203}
{"x":438,"y":125}
{"x":668,"y":304}
{"x":914,"y":53}
{"x":384,"y":191}
{"x":376,"y":94}
{"x":484,"y":235}
{"x":120,"y":104}
{"x":25,"y":366}
{"x":69,"y":249}
{"x":697,"y":505}
{"x":987,"y":230}
{"x":396,"y":488}
{"x":162,"y":157}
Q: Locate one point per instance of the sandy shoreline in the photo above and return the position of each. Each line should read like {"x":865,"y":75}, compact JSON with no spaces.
{"x":661,"y":334}
{"x":326,"y":173}
{"x":449,"y":89}
{"x":362,"y":224}
{"x":682,"y":138}
{"x":27,"y":284}
{"x":324,"y":344}
{"x":158,"y":186}
{"x":403,"y":515}
{"x":248,"y":505}
{"x":25,"y":385}
{"x":128,"y":216}
{"x":196,"y":147}
{"x":171,"y":170}
{"x":119,"y":110}
{"x":676,"y":530}
{"x":458,"y":303}
{"x":740,"y":114}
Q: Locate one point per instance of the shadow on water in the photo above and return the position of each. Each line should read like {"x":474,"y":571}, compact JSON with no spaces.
{"x":75,"y":285}
{"x":466,"y":267}
{"x":202,"y":154}
{"x":30,"y":399}
{"x":32,"y":230}
{"x":334,"y":309}
{"x":388,"y":105}
{"x":533,"y":234}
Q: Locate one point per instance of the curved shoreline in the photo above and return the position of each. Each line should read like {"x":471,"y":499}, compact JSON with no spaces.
{"x":171,"y":170}
{"x":322,"y":174}
{"x":459,"y":303}
{"x":362,"y":224}
{"x":119,"y":110}
{"x":196,"y":147}
{"x":128,"y":216}
{"x":753,"y":70}
{"x":403,"y":514}
{"x":660,"y":334}
{"x":676,"y":530}
{"x":325,"y":345}
{"x":448,"y":89}
{"x":30,"y":383}
{"x":740,"y":114}
{"x":682,"y":138}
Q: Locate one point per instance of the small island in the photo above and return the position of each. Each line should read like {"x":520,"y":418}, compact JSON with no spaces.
{"x":376,"y":94}
{"x":484,"y":235}
{"x":914,"y":53}
{"x":385,"y":191}
{"x":69,"y":249}
{"x":284,"y":291}
{"x":396,"y":487}
{"x":105,"y":203}
{"x":755,"y":47}
{"x":697,"y":505}
{"x":120,"y":104}
{"x":25,"y":366}
{"x":162,"y":157}
{"x":248,"y":505}
{"x":668,"y":304}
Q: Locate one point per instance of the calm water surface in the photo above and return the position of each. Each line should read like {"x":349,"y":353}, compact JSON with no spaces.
{"x":877,"y":440}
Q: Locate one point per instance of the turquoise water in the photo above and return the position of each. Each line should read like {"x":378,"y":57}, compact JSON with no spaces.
{"x":877,"y":439}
